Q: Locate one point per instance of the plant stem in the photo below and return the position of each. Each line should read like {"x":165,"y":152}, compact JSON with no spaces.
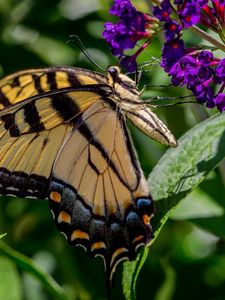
{"x":208,"y":37}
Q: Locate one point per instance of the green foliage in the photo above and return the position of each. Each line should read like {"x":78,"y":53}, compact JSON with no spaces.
{"x":27,"y":265}
{"x":10,"y":284}
{"x":177,"y":173}
{"x":187,"y":258}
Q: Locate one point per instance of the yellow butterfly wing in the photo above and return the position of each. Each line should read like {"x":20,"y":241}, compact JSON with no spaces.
{"x":98,"y":193}
{"x":28,"y":83}
{"x":63,"y":136}
{"x":31,"y":133}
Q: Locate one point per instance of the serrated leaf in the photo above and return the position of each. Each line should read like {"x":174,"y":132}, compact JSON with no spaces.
{"x":177,"y":173}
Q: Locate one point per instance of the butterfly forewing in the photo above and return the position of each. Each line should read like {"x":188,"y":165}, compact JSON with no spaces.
{"x":25,"y":84}
{"x":31,"y":133}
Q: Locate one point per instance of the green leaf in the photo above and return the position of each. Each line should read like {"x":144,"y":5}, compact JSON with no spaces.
{"x":178,"y":172}
{"x":130,"y":274}
{"x":201,"y":209}
{"x":10,"y":283}
{"x":26,"y":264}
{"x":181,"y":169}
{"x":198,"y":204}
{"x":2,"y":235}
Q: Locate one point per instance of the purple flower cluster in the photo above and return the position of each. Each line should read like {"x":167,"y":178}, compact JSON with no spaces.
{"x":199,"y":70}
{"x":132,"y":26}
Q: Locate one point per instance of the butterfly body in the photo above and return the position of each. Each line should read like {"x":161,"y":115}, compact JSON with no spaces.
{"x":63,"y":136}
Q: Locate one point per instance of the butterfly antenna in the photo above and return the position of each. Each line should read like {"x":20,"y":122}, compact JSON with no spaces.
{"x":158,"y":98}
{"x":75,"y":39}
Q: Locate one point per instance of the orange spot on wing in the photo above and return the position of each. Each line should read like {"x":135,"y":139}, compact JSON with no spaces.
{"x":98,"y":245}
{"x":64,"y":217}
{"x":146,"y":219}
{"x":78,"y":234}
{"x":138,"y":238}
{"x":117,"y":253}
{"x":55,"y":196}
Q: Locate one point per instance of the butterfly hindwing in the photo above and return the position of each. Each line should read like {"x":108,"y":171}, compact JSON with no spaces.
{"x":98,"y":193}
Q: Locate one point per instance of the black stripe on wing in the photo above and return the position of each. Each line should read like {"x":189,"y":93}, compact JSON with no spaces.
{"x":10,"y":124}
{"x":83,"y":128}
{"x":32,"y":118}
{"x":73,"y":80}
{"x":51,"y":79}
{"x":87,"y":133}
{"x":130,"y":147}
{"x":62,"y":103}
{"x":65,"y":106}
{"x":4,"y":100}
{"x":23,"y":185}
{"x":37,"y":83}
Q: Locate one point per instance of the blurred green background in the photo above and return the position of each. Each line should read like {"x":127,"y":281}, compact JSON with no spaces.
{"x":188,"y":258}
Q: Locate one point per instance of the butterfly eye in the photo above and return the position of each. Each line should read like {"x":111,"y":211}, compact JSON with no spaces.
{"x":114,"y":72}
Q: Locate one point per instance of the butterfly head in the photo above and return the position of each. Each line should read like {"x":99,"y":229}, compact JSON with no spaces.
{"x":124,"y":87}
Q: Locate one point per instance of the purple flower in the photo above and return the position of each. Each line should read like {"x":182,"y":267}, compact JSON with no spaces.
{"x":191,"y":76}
{"x":195,"y":71}
{"x":172,"y":30}
{"x":131,"y":27}
{"x":198,"y":70}
{"x":220,"y":101}
{"x":220,"y":72}
{"x":177,"y":75}
{"x":163,"y":13}
{"x":204,"y":94}
{"x":172,"y":52}
{"x":205,"y":57}
{"x":204,"y":73}
{"x":190,"y":14}
{"x":129,"y":63}
{"x":118,"y":36}
{"x":202,"y":3}
{"x":126,"y":32}
{"x":122,"y":9}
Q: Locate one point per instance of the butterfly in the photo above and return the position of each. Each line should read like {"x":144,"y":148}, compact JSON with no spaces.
{"x":63,"y":136}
